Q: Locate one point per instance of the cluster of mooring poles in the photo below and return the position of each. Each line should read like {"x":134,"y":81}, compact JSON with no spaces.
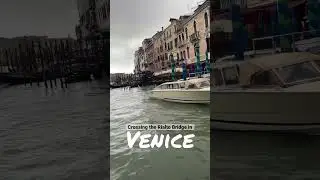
{"x":50,"y":60}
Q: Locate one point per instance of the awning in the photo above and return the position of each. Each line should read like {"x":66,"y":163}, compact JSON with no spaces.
{"x":271,"y":5}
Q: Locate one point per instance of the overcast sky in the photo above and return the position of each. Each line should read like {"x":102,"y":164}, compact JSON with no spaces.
{"x":55,"y":18}
{"x":133,"y":20}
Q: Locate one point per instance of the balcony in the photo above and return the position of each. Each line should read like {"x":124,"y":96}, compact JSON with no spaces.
{"x":182,"y":43}
{"x":207,"y":32}
{"x":226,"y":4}
{"x":195,"y":37}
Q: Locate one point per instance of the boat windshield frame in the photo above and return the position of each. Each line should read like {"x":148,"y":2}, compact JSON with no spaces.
{"x":198,"y":84}
{"x":315,"y":67}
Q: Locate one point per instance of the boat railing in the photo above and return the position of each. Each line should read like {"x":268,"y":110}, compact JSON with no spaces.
{"x":200,"y":73}
{"x":286,"y":42}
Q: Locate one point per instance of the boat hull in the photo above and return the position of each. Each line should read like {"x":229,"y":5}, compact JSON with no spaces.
{"x":265,"y":111}
{"x":183,"y":96}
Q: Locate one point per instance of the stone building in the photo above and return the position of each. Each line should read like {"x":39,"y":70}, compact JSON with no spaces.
{"x":141,"y":59}
{"x":147,"y":45}
{"x":178,"y":40}
{"x":94,"y":18}
{"x":260,"y":19}
{"x":183,"y":39}
{"x":159,"y":52}
{"x":196,"y":31}
{"x":136,"y":63}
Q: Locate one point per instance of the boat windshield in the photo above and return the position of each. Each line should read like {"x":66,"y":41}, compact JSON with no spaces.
{"x":204,"y":84}
{"x":199,"y":84}
{"x":298,"y":72}
{"x":186,"y":84}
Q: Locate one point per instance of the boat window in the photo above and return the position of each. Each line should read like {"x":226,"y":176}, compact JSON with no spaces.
{"x":298,"y":72}
{"x":264,"y":78}
{"x":204,"y":84}
{"x":165,"y":86}
{"x":192,"y":86}
{"x":217,"y":77}
{"x":175,"y":86}
{"x":317,"y":62}
{"x":230,"y":75}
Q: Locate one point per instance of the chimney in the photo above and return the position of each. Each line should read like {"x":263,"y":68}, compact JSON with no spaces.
{"x":162,"y":28}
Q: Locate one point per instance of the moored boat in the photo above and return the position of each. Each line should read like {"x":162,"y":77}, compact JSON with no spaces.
{"x":276,"y":92}
{"x":191,"y":91}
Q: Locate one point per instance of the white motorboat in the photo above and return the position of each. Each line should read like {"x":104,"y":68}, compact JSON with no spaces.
{"x":276,"y":92}
{"x":192,"y":91}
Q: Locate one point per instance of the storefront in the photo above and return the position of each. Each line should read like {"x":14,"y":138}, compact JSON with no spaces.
{"x":191,"y":68}
{"x":261,"y":18}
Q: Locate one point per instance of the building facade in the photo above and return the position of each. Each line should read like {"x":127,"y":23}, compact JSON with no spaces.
{"x":176,"y":43}
{"x":260,"y":19}
{"x":137,"y":68}
{"x":158,"y":58}
{"x":171,"y":42}
{"x":141,"y":59}
{"x":147,"y":45}
{"x":94,"y":18}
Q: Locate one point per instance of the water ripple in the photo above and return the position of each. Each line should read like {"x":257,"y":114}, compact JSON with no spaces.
{"x":134,"y":106}
{"x":52,"y":133}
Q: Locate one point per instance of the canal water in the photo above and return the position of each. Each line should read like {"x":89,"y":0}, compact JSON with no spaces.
{"x":63,"y":134}
{"x":54,"y":134}
{"x":135,"y":106}
{"x":236,"y":155}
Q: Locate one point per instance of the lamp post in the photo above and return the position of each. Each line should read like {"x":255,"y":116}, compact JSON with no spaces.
{"x":173,"y":67}
{"x":208,"y":61}
{"x":197,"y":55}
{"x":184,"y":71}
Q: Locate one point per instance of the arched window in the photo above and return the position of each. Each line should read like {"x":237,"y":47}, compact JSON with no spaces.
{"x":195,"y":26}
{"x":206,"y":20}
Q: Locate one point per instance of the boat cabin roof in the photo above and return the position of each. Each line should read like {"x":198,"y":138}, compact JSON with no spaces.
{"x":188,"y":84}
{"x":260,"y":63}
{"x":195,"y":80}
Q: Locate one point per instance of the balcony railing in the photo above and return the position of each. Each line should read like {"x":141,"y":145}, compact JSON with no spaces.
{"x":182,"y":43}
{"x":226,"y":4}
{"x":195,"y":37}
{"x":297,"y":41}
